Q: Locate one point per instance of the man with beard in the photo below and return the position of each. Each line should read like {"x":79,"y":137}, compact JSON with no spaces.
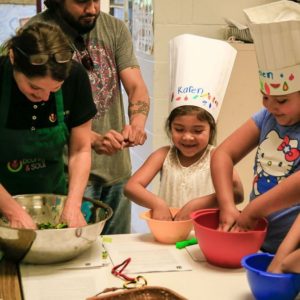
{"x":103,"y":45}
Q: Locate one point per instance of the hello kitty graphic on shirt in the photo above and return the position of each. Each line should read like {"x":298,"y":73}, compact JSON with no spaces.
{"x":275,"y":159}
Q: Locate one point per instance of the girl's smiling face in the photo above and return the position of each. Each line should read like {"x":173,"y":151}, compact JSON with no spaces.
{"x":37,"y":89}
{"x":285,"y":108}
{"x":190,"y":136}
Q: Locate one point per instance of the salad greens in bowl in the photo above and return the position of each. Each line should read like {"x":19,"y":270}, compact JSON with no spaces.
{"x":53,"y":242}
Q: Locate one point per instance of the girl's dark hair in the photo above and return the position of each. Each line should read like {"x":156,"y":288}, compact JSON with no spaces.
{"x":40,"y":38}
{"x":201,"y":114}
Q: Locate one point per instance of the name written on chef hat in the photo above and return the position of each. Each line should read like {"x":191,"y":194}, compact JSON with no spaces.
{"x":275,"y":29}
{"x":200,"y":70}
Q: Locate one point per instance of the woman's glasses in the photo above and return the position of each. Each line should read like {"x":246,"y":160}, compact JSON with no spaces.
{"x":42,"y":58}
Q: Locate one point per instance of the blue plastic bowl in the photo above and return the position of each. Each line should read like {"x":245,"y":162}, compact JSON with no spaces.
{"x":269,"y":286}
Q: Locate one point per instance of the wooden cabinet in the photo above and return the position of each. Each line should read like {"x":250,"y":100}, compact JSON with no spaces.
{"x":9,"y":281}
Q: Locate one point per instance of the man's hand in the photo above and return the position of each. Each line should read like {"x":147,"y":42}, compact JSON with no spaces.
{"x":108,"y":144}
{"x":134,"y":135}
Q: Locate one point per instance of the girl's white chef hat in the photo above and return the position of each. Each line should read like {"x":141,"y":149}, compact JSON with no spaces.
{"x":275,"y":29}
{"x":200,"y":69}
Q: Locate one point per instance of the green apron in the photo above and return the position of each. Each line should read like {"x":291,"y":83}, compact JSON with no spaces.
{"x":31,"y":161}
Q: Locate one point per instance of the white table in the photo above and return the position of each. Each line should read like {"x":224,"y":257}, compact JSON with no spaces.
{"x":204,"y":281}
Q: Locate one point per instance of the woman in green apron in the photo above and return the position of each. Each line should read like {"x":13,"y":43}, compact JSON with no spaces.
{"x":45,"y":103}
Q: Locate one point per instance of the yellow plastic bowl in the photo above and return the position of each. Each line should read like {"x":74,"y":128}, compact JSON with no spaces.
{"x":168,"y":232}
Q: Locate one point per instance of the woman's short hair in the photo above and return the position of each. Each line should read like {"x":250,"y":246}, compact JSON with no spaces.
{"x":201,"y":115}
{"x":40,"y":38}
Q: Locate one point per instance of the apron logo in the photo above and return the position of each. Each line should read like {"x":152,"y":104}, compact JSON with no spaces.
{"x":52,"y":118}
{"x":34,"y":164}
{"x":14,"y":166}
{"x":28,"y":165}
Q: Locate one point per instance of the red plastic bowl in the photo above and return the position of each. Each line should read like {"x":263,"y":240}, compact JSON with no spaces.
{"x":225,"y":249}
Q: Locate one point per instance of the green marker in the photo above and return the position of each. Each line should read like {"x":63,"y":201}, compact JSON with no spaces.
{"x":183,"y":244}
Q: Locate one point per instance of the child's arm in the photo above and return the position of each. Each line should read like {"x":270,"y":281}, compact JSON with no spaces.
{"x":136,"y":187}
{"x":238,"y":190}
{"x":283,"y":195}
{"x":230,"y":152}
{"x":210,"y":201}
{"x":287,"y":258}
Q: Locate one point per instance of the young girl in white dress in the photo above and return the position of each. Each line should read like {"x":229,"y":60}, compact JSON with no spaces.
{"x":200,"y":69}
{"x":185,"y":167}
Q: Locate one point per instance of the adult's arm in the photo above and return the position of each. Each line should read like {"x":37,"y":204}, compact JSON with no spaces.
{"x":13,"y":211}
{"x":138,"y":105}
{"x":79,"y":165}
{"x":133,"y":134}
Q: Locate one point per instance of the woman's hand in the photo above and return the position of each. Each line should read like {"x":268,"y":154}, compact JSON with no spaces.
{"x":14,"y":212}
{"x":21,"y":219}
{"x":73,"y":217}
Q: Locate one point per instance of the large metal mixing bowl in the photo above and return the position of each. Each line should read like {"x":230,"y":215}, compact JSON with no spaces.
{"x":51,"y":245}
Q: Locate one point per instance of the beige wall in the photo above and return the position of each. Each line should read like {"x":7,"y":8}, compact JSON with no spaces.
{"x":242,"y":99}
{"x":105,"y":6}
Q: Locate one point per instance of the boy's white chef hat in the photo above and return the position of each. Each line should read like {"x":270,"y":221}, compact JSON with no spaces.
{"x":275,"y":29}
{"x":200,"y":69}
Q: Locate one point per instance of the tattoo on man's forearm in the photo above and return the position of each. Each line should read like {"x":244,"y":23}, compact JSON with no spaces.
{"x":138,"y":107}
